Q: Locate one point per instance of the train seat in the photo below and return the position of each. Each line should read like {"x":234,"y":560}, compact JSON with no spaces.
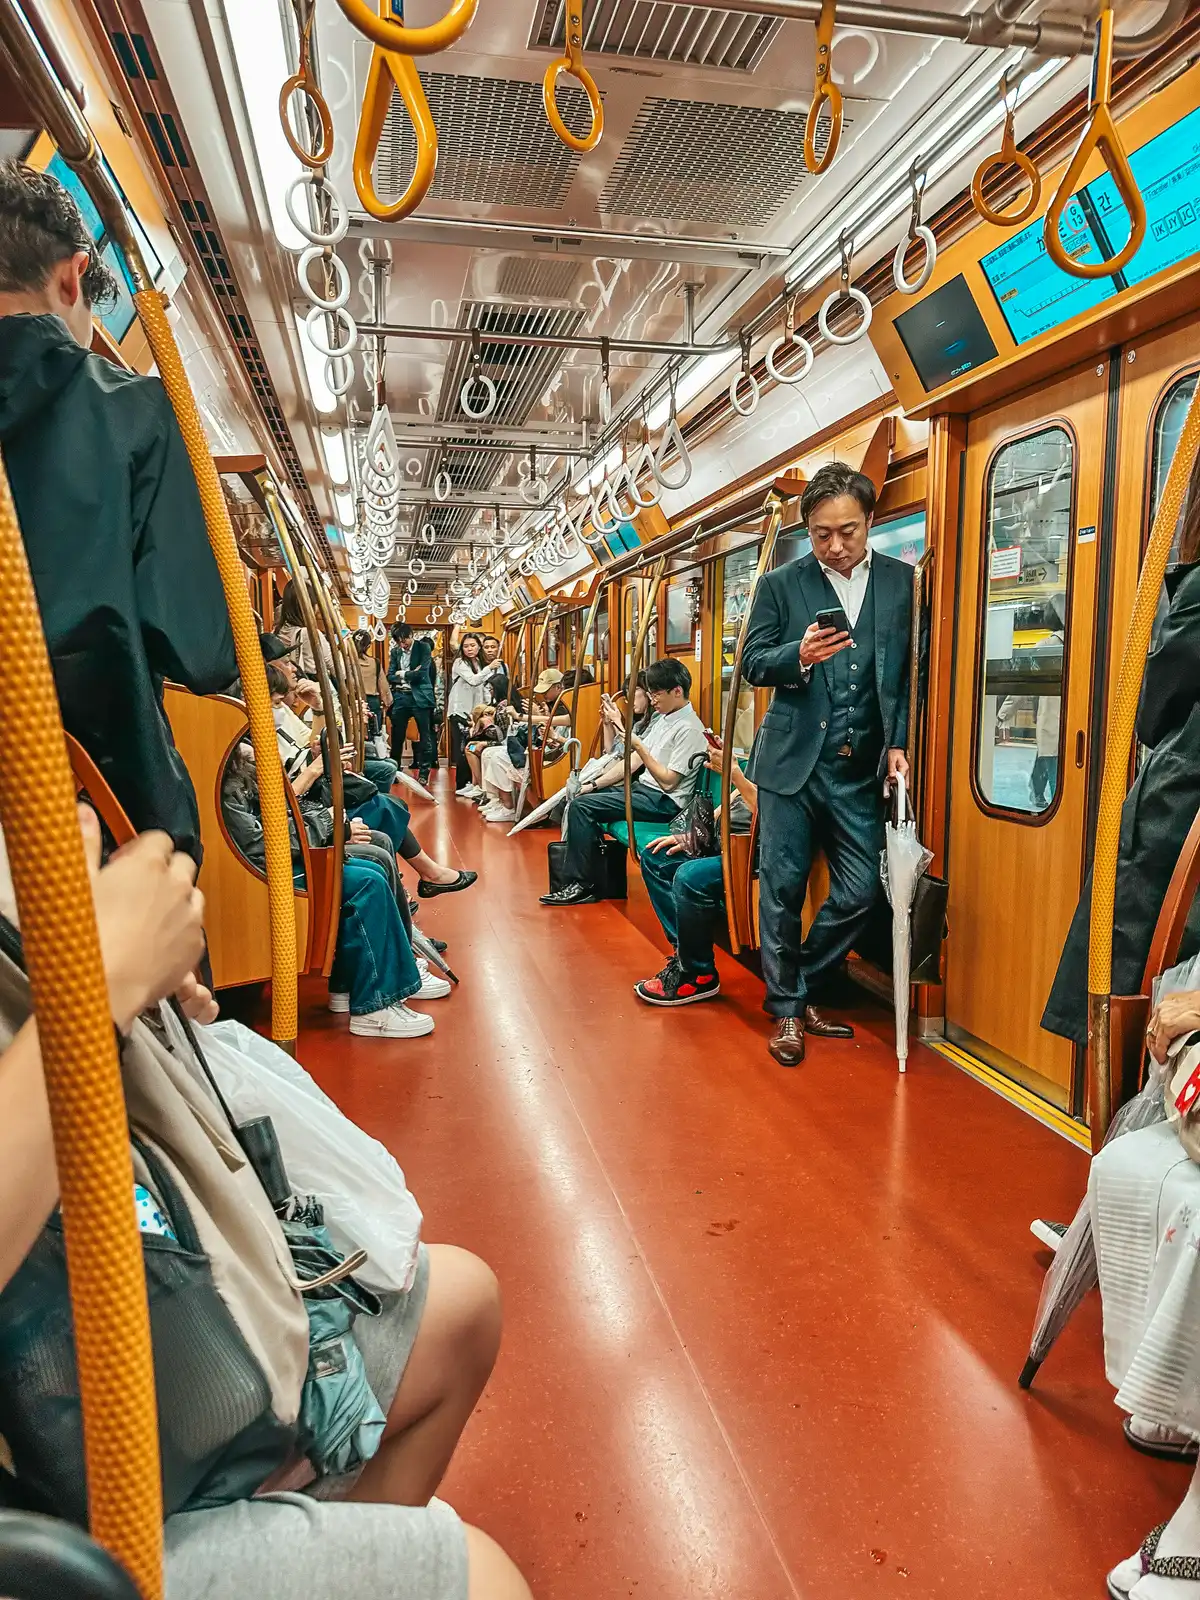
{"x":645,"y":833}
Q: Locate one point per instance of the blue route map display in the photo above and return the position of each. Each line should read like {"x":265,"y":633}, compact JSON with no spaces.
{"x":1036,"y":297}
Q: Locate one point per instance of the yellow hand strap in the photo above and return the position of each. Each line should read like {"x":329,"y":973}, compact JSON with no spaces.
{"x":390,"y":70}
{"x":825,"y":89}
{"x":572,"y":64}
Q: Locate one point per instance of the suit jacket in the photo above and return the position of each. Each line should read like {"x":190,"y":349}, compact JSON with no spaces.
{"x":419,"y":676}
{"x":785,"y":606}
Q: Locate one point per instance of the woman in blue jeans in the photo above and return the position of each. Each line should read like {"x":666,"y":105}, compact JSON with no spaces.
{"x":374,"y":970}
{"x":688,"y":896}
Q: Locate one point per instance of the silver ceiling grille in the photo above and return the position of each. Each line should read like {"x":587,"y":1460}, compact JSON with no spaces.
{"x":654,"y":30}
{"x":692,"y":161}
{"x":495,"y":146}
{"x":521,"y":374}
{"x":539,"y":278}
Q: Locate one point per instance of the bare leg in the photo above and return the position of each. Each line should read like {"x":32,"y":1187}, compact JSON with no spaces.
{"x":452,"y":1359}
{"x":491,"y":1575}
{"x":476,"y":769}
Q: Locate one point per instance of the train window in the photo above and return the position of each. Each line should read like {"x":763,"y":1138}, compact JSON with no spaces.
{"x":600,"y":648}
{"x":683,"y":598}
{"x":736,"y":579}
{"x":633,"y":612}
{"x":1168,"y":425}
{"x":902,"y":537}
{"x":1026,"y":583}
{"x":552,"y":645}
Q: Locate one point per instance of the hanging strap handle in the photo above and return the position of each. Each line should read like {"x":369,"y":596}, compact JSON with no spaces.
{"x":825,"y":90}
{"x":572,"y":64}
{"x":391,"y":69}
{"x":387,"y":30}
{"x":1007,"y":156}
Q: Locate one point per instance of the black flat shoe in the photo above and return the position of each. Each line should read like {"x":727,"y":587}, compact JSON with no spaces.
{"x":575,"y":894}
{"x":427,"y":891}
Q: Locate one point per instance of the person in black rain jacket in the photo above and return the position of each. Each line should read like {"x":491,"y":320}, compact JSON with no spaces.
{"x":109,"y":511}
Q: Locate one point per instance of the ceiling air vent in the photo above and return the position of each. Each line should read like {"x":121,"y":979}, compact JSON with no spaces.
{"x":495,"y":146}
{"x":692,"y":161}
{"x":653,"y":30}
{"x":539,"y":278}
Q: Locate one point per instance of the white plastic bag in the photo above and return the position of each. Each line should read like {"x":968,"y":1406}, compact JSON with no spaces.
{"x":382,"y":750}
{"x":366,"y":1200}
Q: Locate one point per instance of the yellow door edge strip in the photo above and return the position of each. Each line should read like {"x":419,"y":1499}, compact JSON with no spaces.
{"x":1016,"y":1094}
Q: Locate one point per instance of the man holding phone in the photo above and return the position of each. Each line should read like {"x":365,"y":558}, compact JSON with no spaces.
{"x":830,"y":634}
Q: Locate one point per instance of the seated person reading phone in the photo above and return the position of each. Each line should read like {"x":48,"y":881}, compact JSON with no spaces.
{"x":665,"y":777}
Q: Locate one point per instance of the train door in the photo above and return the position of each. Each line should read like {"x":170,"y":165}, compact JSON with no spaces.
{"x":1020,"y":753}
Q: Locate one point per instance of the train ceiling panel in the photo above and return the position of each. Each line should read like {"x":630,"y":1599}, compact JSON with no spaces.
{"x":651,"y":30}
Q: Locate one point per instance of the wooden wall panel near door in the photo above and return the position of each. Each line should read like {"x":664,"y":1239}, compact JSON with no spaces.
{"x":1014,"y":879}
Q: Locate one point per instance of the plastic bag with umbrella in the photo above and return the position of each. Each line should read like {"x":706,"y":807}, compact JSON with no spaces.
{"x":904,"y":862}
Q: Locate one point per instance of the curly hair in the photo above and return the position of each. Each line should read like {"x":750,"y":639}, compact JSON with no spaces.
{"x":40,"y":225}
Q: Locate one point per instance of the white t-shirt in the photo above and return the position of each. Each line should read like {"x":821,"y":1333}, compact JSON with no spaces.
{"x":673,"y":740}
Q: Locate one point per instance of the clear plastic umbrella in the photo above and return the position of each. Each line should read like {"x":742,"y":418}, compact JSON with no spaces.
{"x":904,"y":859}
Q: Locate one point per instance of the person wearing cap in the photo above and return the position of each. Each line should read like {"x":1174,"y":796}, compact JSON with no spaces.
{"x":469,"y":680}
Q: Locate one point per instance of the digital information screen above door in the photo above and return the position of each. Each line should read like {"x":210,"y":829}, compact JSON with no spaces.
{"x":945,"y":334}
{"x":1035,"y":296}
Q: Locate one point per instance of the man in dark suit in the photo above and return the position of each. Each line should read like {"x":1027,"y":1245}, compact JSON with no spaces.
{"x":834,"y":733}
{"x":410,"y":673}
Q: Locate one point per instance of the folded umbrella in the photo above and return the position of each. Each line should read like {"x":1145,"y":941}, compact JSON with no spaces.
{"x":409,"y":782}
{"x":904,"y":859}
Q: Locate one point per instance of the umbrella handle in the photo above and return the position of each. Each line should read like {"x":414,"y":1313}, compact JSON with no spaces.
{"x":901,"y":807}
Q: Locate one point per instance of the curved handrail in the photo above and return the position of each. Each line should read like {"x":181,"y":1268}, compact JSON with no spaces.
{"x":83,"y":1082}
{"x":572,"y":64}
{"x":773,"y":513}
{"x":635,"y":666}
{"x":347,"y":678}
{"x":1121,"y":726}
{"x":581,"y":647}
{"x":392,"y":70}
{"x":333,"y":762}
{"x":532,"y":661}
{"x":389,"y":34}
{"x":914,"y":664}
{"x":1100,"y":134}
{"x":824,"y":89}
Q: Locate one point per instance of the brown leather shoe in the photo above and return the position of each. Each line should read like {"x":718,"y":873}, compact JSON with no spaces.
{"x":788,"y":1044}
{"x":821,"y":1028}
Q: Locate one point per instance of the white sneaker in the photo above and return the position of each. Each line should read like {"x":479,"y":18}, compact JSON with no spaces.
{"x":503,"y":814}
{"x":469,"y":791}
{"x":339,"y":1003}
{"x":433,"y":987}
{"x":393,"y":1022}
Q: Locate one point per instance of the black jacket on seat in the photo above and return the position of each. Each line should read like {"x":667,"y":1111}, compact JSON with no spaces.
{"x":793,"y":731}
{"x":127,"y":584}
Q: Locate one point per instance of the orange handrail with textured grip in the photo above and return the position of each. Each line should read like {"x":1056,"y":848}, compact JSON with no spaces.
{"x":392,"y":70}
{"x":572,"y":64}
{"x":824,"y":89}
{"x":83,"y":1085}
{"x":1100,"y":134}
{"x":393,"y":35}
{"x":281,"y":889}
{"x":1121,"y":727}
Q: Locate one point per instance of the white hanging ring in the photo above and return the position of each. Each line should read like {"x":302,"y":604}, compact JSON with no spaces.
{"x":672,"y":436}
{"x":605,"y":403}
{"x":744,"y":375}
{"x":863,"y":304}
{"x":342,"y":318}
{"x":534,"y":491}
{"x":341,"y":296}
{"x":339,"y":375}
{"x":341,"y":217}
{"x":429,"y":534}
{"x":798,"y":342}
{"x":443,"y":485}
{"x":411,"y":586}
{"x":489,"y":396}
{"x":416,"y":567}
{"x":602,"y":528}
{"x":642,"y":462}
{"x":925,"y":235}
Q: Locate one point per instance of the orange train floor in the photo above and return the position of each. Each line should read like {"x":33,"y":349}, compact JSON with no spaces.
{"x":763,"y":1327}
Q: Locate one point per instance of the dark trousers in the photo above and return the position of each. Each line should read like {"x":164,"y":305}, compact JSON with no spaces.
{"x":459,"y":728}
{"x":688,"y":897}
{"x":590,"y":813}
{"x":405,"y":710}
{"x":839,"y":810}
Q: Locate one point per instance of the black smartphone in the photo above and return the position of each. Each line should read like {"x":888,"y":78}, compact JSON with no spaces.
{"x":835,"y":618}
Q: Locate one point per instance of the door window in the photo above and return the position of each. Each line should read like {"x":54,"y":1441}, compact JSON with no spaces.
{"x":1168,"y":425}
{"x":1022,"y":651}
{"x":737,"y":577}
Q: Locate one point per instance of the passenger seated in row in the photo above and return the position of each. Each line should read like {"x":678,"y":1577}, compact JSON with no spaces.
{"x":110,"y":515}
{"x":688,"y":896}
{"x":382,"y":814}
{"x":428,"y":1356}
{"x":662,"y":761}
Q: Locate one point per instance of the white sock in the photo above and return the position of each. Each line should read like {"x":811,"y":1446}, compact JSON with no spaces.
{"x":1181,"y":1537}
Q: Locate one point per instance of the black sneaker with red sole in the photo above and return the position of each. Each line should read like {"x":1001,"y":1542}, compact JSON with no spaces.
{"x":672,"y":987}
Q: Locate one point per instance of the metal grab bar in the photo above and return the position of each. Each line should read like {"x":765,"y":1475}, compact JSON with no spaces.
{"x":1100,"y":134}
{"x":333,"y":744}
{"x":773,"y":512}
{"x":824,"y":90}
{"x":346,"y":679}
{"x":914,"y":666}
{"x":388,"y":34}
{"x":390,"y":69}
{"x":572,"y":64}
{"x":1113,"y":783}
{"x":635,"y":667}
{"x":581,"y":651}
{"x":83,"y":1084}
{"x":533,"y":657}
{"x":548,"y":341}
{"x":1008,"y":155}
